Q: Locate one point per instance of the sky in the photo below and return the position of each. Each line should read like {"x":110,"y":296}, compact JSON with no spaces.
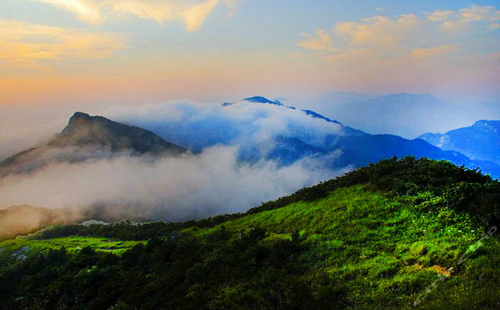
{"x":146,"y":51}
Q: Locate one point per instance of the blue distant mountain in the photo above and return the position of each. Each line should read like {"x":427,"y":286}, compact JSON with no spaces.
{"x":480,"y":141}
{"x":260,"y":129}
{"x":351,"y":147}
{"x":406,"y":115}
{"x":259,"y":99}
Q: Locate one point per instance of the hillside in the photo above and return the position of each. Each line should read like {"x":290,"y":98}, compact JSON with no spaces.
{"x":381,"y":237}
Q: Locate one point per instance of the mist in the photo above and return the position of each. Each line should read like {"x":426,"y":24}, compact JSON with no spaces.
{"x":244,"y":124}
{"x":25,"y":126}
{"x":170,"y":188}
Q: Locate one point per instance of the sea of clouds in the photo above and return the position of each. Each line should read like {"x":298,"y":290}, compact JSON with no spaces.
{"x":212,"y":179}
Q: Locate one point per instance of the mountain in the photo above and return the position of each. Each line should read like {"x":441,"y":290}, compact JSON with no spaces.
{"x":480,"y":141}
{"x":90,"y":137}
{"x":261,"y":129}
{"x":347,"y":146}
{"x":406,"y":115}
{"x":394,"y":235}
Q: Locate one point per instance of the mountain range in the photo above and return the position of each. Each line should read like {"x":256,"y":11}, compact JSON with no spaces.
{"x":480,"y":141}
{"x":403,"y":114}
{"x":262,"y":129}
{"x":357,"y":148}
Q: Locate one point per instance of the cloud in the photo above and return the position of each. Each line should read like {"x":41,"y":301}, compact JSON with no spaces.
{"x":179,"y":188}
{"x":196,"y":15}
{"x":440,"y":15}
{"x":213,"y":181}
{"x":322,"y":41}
{"x":464,"y":18}
{"x":478,"y":13}
{"x":27,"y":46}
{"x":20,"y":220}
{"x":192,"y":13}
{"x":243,"y":124}
{"x":377,"y":37}
{"x":377,"y":31}
{"x":385,"y":40}
{"x":85,"y":10}
{"x":422,"y":53}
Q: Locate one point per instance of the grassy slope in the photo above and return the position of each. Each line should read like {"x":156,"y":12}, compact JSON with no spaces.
{"x":387,"y":251}
{"x":385,"y":233}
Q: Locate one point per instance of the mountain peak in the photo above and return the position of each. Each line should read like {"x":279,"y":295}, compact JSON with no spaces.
{"x":260,"y":99}
{"x":80,"y":115}
{"x":98,"y":131}
{"x":483,"y":123}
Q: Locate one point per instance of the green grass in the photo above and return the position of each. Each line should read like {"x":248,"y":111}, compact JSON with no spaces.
{"x":387,"y":250}
{"x":71,"y":244}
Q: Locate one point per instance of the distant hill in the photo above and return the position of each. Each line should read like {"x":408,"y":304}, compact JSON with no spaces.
{"x":480,"y":141}
{"x":86,"y":137}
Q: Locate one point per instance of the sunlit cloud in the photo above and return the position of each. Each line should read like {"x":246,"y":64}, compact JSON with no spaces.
{"x":407,"y":37}
{"x":192,"y":13}
{"x":377,"y":30}
{"x":463,"y":18}
{"x":446,"y":52}
{"x":85,"y":10}
{"x":440,"y":15}
{"x":196,"y":15}
{"x":422,"y":53}
{"x":27,"y":46}
{"x":479,"y":13}
{"x":322,"y":41}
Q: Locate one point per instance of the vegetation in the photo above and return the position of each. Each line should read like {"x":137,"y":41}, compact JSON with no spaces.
{"x":376,"y":238}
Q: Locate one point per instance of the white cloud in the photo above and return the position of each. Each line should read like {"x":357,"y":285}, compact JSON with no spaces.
{"x":243,"y":124}
{"x":190,"y":186}
{"x":212,"y":182}
{"x":192,"y":13}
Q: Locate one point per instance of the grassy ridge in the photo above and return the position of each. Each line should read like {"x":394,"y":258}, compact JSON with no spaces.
{"x":386,"y":250}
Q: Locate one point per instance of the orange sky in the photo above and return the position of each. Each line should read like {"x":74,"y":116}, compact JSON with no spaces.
{"x":61,"y":51}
